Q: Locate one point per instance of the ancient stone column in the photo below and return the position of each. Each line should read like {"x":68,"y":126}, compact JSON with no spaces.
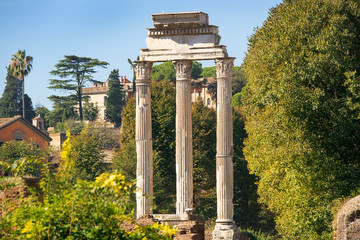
{"x":184,"y":155}
{"x":225,"y":227}
{"x":144,"y":167}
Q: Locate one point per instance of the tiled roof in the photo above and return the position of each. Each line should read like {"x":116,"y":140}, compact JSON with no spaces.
{"x":6,"y":121}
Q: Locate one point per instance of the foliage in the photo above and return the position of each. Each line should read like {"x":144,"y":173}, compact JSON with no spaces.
{"x":163,"y":134}
{"x":20,"y":66}
{"x":204,"y":157}
{"x":196,"y":70}
{"x":74,"y":72}
{"x":302,"y":114}
{"x":91,"y":111}
{"x":88,"y":210}
{"x":166,"y":71}
{"x":238,"y":79}
{"x":108,"y":138}
{"x":63,"y":110}
{"x":163,"y":111}
{"x":124,"y":159}
{"x":81,"y":157}
{"x":115,"y":98}
{"x":10,"y":102}
{"x":21,"y":156}
{"x":236,"y":100}
{"x":208,"y":72}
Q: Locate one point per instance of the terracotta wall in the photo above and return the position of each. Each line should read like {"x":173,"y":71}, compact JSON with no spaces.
{"x":7,"y":134}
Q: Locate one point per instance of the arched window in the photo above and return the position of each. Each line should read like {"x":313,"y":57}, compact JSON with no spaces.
{"x":208,"y":101}
{"x":18,"y":135}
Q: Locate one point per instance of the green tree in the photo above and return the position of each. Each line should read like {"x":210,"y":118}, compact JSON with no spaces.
{"x":163,"y":134}
{"x":238,"y":79}
{"x":63,"y":110}
{"x":10,"y":102}
{"x":125,"y":158}
{"x":20,"y":66}
{"x":91,"y":111}
{"x":302,"y":112}
{"x":81,"y":157}
{"x":164,"y":71}
{"x":74,"y":72}
{"x":208,"y":72}
{"x":204,"y":157}
{"x":115,"y":100}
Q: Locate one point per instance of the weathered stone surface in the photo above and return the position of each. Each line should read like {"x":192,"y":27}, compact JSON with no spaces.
{"x":183,"y":128}
{"x":178,"y":36}
{"x":143,"y":138}
{"x":190,"y":227}
{"x":347,"y":221}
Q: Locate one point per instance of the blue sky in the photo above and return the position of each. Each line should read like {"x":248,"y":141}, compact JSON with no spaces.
{"x":110,"y":30}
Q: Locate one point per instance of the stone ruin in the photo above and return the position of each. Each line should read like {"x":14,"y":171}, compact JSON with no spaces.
{"x":347,"y":221}
{"x":183,"y":38}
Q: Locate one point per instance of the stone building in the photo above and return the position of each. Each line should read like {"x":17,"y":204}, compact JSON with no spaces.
{"x":97,"y":94}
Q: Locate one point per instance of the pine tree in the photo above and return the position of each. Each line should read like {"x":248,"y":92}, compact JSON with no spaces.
{"x":115,"y":100}
{"x":74,"y":72}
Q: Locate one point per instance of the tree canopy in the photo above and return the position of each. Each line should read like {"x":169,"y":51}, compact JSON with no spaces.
{"x":10,"y":102}
{"x":20,"y":66}
{"x":74,"y":72}
{"x":115,"y":100}
{"x":302,"y":112}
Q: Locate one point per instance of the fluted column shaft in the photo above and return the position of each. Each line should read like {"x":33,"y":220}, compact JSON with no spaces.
{"x":143,"y":137}
{"x":184,"y":154}
{"x":224,"y":141}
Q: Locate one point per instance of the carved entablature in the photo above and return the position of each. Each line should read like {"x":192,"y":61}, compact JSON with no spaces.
{"x":184,"y":19}
{"x":155,"y":32}
{"x":183,"y":69}
{"x":143,"y":71}
{"x":224,"y":67}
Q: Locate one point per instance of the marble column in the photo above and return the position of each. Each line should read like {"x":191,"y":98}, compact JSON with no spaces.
{"x":225,"y":227}
{"x":184,"y":150}
{"x":143,"y":138}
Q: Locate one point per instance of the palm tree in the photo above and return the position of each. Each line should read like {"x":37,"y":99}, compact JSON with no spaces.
{"x":20,"y":66}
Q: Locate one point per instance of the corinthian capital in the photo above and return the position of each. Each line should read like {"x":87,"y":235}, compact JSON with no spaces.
{"x":224,"y":67}
{"x":183,"y":69}
{"x":143,"y":70}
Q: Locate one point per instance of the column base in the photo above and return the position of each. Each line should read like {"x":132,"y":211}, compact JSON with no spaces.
{"x":226,"y":230}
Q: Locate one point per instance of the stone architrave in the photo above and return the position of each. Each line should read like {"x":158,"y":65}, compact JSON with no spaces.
{"x":184,"y":150}
{"x":225,"y":227}
{"x":143,"y":137}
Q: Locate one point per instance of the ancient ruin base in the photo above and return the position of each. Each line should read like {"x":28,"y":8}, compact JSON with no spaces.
{"x":226,"y":231}
{"x":190,"y":227}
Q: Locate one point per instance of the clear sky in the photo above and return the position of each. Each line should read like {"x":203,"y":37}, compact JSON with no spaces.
{"x":109,"y":30}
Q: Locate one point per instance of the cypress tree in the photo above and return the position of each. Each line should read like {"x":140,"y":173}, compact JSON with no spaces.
{"x":11,"y":100}
{"x":115,"y":100}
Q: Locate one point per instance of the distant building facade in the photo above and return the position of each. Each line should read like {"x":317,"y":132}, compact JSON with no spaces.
{"x":200,"y":89}
{"x":97,"y":94}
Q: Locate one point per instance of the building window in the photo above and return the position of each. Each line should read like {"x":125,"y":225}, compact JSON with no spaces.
{"x":105,"y":97}
{"x":18,"y":135}
{"x":208,"y":102}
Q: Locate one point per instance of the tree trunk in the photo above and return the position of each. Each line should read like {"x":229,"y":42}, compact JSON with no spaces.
{"x":23,"y":96}
{"x":80,"y":105}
